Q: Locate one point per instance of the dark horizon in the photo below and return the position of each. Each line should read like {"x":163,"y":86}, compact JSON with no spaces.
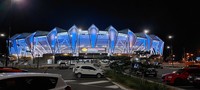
{"x":162,"y":18}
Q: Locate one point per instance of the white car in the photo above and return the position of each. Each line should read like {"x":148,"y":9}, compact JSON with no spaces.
{"x":90,"y":70}
{"x":32,"y":81}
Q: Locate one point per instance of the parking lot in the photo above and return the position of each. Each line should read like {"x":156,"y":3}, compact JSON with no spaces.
{"x":85,"y":83}
{"x":102,"y":83}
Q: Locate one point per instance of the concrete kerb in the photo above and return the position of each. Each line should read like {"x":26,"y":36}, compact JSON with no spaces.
{"x":124,"y":88}
{"x":120,"y":86}
{"x":172,"y":87}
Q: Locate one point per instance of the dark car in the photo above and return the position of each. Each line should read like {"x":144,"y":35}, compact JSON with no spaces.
{"x":194,"y":79}
{"x":11,"y":69}
{"x":150,"y":71}
{"x":143,"y":69}
{"x":146,"y":71}
{"x":120,"y":65}
{"x":158,"y":65}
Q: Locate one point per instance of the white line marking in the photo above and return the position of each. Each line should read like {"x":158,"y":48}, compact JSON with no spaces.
{"x":113,"y":86}
{"x":96,"y":82}
{"x":69,"y":81}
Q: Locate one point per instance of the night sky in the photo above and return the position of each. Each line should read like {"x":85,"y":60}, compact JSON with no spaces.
{"x":162,"y":18}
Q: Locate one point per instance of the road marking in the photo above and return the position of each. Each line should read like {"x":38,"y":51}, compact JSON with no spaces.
{"x":96,"y":82}
{"x":113,"y":86}
{"x":69,"y":81}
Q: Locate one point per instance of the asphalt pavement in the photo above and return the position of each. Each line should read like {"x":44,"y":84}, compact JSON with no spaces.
{"x":102,"y":83}
{"x":85,"y":83}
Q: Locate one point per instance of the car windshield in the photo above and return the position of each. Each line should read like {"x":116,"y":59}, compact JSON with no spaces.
{"x":180,"y":71}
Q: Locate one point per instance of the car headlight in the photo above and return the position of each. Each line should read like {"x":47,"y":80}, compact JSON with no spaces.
{"x":169,"y":77}
{"x":189,"y":76}
{"x":174,"y":72}
{"x":197,"y":78}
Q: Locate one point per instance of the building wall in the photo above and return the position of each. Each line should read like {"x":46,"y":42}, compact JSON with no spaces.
{"x":92,"y":40}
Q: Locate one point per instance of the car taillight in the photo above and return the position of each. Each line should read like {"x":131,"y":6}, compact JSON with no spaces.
{"x":68,"y":88}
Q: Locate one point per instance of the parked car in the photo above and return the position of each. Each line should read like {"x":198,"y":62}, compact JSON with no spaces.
{"x":194,"y":79}
{"x":88,"y":70}
{"x":32,"y":81}
{"x":11,"y":69}
{"x":120,"y":65}
{"x":104,"y":63}
{"x":63,"y":65}
{"x":145,"y":71}
{"x":150,"y":71}
{"x":138,"y":68}
{"x":158,"y":65}
{"x":179,"y":77}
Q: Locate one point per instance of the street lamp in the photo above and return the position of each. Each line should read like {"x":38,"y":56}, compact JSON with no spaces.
{"x":7,"y":52}
{"x":146,"y":31}
{"x":10,"y":27}
{"x":168,"y":47}
{"x":2,"y":35}
{"x":171,"y":53}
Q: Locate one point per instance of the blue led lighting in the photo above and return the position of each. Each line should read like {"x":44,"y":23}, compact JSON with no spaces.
{"x":93,"y":31}
{"x":108,"y":41}
{"x":52,"y":39}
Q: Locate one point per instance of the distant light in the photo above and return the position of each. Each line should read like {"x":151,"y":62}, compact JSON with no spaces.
{"x":168,"y":47}
{"x":170,"y":36}
{"x":84,"y":49}
{"x":17,"y":1}
{"x":119,"y":54}
{"x":146,"y":31}
{"x":79,"y":29}
{"x":66,"y":54}
{"x":2,"y":35}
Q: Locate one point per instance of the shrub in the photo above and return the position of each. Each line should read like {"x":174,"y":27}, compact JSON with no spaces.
{"x":134,"y":82}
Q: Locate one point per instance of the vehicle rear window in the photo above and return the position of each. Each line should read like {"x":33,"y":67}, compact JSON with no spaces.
{"x":180,"y":71}
{"x":28,"y":83}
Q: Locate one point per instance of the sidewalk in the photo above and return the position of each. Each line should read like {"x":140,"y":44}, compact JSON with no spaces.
{"x":119,"y":85}
{"x":172,"y":87}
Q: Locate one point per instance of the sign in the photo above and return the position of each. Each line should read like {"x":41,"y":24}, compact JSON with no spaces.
{"x":84,"y":49}
{"x":93,"y":50}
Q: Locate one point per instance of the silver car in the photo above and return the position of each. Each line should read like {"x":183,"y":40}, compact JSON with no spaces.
{"x":32,"y":81}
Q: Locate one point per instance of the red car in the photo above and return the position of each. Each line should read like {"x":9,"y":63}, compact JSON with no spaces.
{"x":11,"y":69}
{"x":179,"y":77}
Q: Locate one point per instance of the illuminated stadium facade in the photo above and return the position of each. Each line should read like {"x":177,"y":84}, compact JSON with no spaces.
{"x":76,"y":41}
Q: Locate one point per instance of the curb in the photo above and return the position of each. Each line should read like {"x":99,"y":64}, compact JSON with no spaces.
{"x":176,"y":88}
{"x":120,"y":86}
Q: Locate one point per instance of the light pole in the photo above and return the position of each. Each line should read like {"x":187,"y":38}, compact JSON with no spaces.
{"x":7,"y":49}
{"x":171,"y":49}
{"x":10,"y":28}
{"x":146,"y":31}
{"x":168,"y":53}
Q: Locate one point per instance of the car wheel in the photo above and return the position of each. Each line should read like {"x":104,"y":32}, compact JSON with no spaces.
{"x":98,"y":75}
{"x":155,"y":75}
{"x":79,"y":75}
{"x":145,"y":75}
{"x":178,"y":81}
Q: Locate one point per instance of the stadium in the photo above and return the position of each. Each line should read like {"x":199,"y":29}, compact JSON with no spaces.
{"x":76,"y":42}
